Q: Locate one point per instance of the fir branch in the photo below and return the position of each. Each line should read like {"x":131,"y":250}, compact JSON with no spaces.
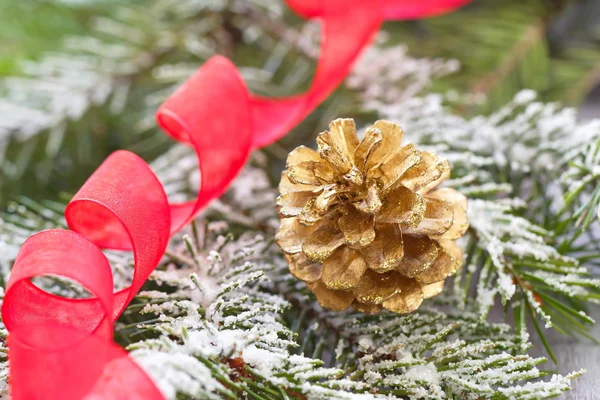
{"x":131,"y":61}
{"x":542,"y":156}
{"x":511,"y":47}
{"x":244,"y":343}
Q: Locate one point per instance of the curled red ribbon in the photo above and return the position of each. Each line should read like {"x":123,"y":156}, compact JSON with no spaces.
{"x":62,"y":348}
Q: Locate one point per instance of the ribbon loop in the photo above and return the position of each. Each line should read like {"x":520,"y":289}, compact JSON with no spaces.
{"x":66,"y":254}
{"x":48,"y":333}
{"x":216,"y":123}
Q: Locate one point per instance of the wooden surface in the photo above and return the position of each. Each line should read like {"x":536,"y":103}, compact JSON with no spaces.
{"x":574,"y":354}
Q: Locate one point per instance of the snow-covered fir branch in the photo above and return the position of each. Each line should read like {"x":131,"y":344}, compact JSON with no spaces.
{"x":529,"y":163}
{"x":530,"y":170}
{"x":388,"y":74}
{"x":132,"y":58}
{"x":522,"y":135}
{"x":512,"y":253}
{"x":236,"y":323}
{"x":225,"y":319}
{"x":581,"y":182}
{"x":89,"y":69}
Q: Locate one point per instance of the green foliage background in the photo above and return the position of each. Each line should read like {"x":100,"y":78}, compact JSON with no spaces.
{"x":550,"y":46}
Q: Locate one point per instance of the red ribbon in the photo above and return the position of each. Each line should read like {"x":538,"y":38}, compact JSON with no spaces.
{"x":62,"y":348}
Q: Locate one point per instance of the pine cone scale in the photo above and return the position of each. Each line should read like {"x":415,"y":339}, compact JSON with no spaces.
{"x":375,"y":288}
{"x":420,"y":252}
{"x":402,"y":206}
{"x":392,"y":136}
{"x":408,"y":300}
{"x":336,"y":300}
{"x":343,"y":270}
{"x":371,"y":142}
{"x":322,"y":243}
{"x":303,"y":268}
{"x":428,"y":174}
{"x":437,"y":218}
{"x":358,"y":228}
{"x":393,"y":169}
{"x":385,"y":255}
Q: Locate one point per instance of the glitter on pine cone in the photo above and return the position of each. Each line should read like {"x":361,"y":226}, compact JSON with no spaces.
{"x":362,"y":222}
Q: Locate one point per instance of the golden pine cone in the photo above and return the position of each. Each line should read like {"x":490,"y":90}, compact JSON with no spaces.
{"x":361,"y":223}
